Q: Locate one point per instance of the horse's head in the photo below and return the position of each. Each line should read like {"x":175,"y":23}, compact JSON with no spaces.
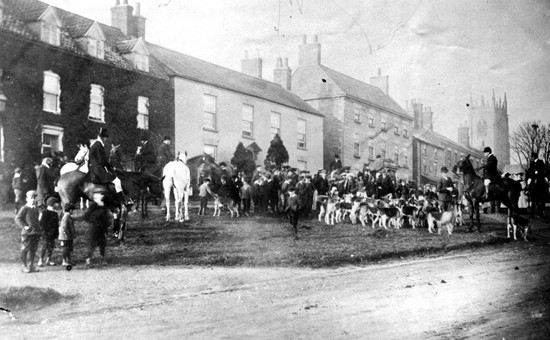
{"x":464,"y":165}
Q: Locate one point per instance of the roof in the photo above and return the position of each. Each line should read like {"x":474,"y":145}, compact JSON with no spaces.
{"x":254,"y":147}
{"x":185,"y":66}
{"x":74,"y":26}
{"x":363,"y":91}
{"x":436,"y":139}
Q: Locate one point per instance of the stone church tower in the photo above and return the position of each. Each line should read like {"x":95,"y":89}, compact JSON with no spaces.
{"x":487,"y":123}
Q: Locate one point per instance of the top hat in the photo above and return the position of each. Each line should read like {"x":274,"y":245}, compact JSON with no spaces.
{"x":444,"y":169}
{"x":487,"y":149}
{"x":535,"y":154}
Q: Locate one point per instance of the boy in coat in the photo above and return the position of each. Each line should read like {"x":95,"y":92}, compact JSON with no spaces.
{"x":293,"y":210}
{"x":27,"y":220}
{"x":49,"y":226}
{"x":67,"y":233}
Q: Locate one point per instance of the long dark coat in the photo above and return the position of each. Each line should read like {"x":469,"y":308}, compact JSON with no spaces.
{"x":490,"y":170}
{"x":99,"y":163}
{"x":45,"y":183}
{"x":164,"y":155}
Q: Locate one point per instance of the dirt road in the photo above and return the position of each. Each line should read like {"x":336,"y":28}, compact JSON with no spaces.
{"x":494,"y":293}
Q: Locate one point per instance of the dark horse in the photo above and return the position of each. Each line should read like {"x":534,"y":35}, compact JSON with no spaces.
{"x":506,"y":191}
{"x":141,"y":187}
{"x":75,"y":184}
{"x":201,"y":167}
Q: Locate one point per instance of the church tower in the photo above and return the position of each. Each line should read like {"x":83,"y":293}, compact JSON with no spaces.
{"x":488,"y":126}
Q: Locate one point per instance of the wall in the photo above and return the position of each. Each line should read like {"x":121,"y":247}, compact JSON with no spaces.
{"x":191,"y":136}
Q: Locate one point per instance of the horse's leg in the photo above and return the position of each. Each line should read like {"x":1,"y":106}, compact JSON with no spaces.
{"x":477,"y":208}
{"x":186,"y":203}
{"x":167,"y":200}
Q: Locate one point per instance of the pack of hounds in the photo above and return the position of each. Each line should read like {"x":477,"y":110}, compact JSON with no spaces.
{"x":388,"y":212}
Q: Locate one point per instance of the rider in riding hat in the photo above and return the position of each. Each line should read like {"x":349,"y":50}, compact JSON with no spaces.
{"x":100,"y":168}
{"x":490,"y":170}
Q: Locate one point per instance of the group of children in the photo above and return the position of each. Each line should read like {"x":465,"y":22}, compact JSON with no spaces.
{"x":44,"y":224}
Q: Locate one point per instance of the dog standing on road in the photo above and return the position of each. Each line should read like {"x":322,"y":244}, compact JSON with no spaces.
{"x":522,"y":223}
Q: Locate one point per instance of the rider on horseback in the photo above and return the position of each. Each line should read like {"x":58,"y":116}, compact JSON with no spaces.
{"x":100,"y":168}
{"x":490,"y":171}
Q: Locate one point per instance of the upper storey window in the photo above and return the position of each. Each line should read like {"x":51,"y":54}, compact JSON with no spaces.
{"x":49,"y":26}
{"x":93,"y":41}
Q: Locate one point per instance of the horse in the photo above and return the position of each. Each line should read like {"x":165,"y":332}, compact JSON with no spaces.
{"x":176,"y":175}
{"x":204,"y":166}
{"x":506,"y":191}
{"x":80,"y":161}
{"x":139,"y":186}
{"x":74,"y":185}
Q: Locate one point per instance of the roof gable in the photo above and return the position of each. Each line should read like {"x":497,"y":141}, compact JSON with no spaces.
{"x":133,"y":46}
{"x":50,"y":16}
{"x":95,"y":32}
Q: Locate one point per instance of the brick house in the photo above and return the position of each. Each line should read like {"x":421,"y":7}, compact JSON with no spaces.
{"x":432,"y":150}
{"x":216,"y":108}
{"x":361,"y":120}
{"x":65,"y":76}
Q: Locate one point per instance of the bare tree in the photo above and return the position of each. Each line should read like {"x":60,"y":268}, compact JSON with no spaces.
{"x":531,"y":136}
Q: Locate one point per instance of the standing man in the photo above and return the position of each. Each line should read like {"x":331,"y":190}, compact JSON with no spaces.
{"x":490,"y":170}
{"x":336,"y":164}
{"x":536,"y":182}
{"x":146,"y":156}
{"x":444,"y":189}
{"x":100,"y":168}
{"x":45,"y":181}
{"x":164,"y":153}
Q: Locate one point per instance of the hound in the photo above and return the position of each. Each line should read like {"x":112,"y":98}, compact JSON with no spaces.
{"x":220,"y":202}
{"x":518,"y":221}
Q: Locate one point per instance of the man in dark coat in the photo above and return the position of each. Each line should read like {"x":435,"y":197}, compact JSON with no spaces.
{"x":336,"y":164}
{"x":164,"y":153}
{"x":45,"y":181}
{"x":100,"y":168}
{"x":146,"y":156}
{"x":490,"y":170}
{"x":444,"y":189}
{"x":536,"y":181}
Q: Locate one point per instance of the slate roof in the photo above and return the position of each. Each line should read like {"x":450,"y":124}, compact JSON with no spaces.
{"x":363,"y":91}
{"x":201,"y":71}
{"x":74,"y":26}
{"x":436,"y":139}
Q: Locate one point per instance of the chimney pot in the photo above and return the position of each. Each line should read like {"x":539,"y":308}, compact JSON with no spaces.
{"x":315,"y":38}
{"x":279,"y":62}
{"x":305,"y":39}
{"x":125,"y":2}
{"x":137,"y":9}
{"x":286,"y":62}
{"x":117,"y":3}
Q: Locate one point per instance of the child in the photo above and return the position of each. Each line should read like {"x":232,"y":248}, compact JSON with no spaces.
{"x":17,"y":185}
{"x":292,"y":209}
{"x":245,"y":197}
{"x":27,"y":219}
{"x":98,"y":219}
{"x":67,"y":234}
{"x":204,"y":191}
{"x":49,"y":227}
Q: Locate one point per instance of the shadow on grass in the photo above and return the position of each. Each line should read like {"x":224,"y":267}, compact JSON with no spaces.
{"x":259,"y":241}
{"x":17,"y":299}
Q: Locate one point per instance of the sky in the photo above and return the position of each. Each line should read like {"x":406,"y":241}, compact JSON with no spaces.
{"x":441,"y":52}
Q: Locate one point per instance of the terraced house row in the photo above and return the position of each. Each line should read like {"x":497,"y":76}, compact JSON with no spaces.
{"x":64,"y":76}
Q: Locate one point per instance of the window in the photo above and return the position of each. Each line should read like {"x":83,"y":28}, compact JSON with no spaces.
{"x":357,"y":112}
{"x":371,"y":119}
{"x":396,"y":155}
{"x":141,"y":62}
{"x":143,"y":113}
{"x":384,"y":124}
{"x":275,"y":124}
{"x":96,"y":48}
{"x":248,"y":121}
{"x":52,"y":139}
{"x":424,"y":149}
{"x":371,"y":150}
{"x":435,"y":167}
{"x":448,"y":156}
{"x":405,"y":161}
{"x":435,"y":153}
{"x":405,"y":132}
{"x":211,"y":150}
{"x":97,"y":110}
{"x":301,"y":128}
{"x":302,"y":165}
{"x":52,"y":91}
{"x":396,"y":129}
{"x":424,"y":166}
{"x":210,"y":107}
{"x":383,"y":150}
{"x":356,"y":145}
{"x":50,"y":34}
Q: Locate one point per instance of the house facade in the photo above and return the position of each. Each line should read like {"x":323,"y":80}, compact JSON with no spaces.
{"x":431,"y":150}
{"x":215,"y":108}
{"x":361,"y":120}
{"x":64,"y":77}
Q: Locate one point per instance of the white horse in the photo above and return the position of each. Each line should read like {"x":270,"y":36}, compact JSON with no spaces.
{"x":176,"y":175}
{"x":80,"y":161}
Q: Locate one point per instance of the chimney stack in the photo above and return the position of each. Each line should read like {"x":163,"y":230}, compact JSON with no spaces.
{"x":309,"y":54}
{"x":252,"y":67}
{"x":380,"y":81}
{"x":139,"y":22}
{"x":122,"y":18}
{"x":282,"y":74}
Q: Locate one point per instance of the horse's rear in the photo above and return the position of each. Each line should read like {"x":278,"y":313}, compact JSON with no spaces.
{"x":69,"y":186}
{"x":176,"y":176}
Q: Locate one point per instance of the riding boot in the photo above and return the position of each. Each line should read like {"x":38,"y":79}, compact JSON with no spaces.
{"x":486,"y":194}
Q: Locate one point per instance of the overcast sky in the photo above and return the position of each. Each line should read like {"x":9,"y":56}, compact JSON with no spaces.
{"x":439,"y":51}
